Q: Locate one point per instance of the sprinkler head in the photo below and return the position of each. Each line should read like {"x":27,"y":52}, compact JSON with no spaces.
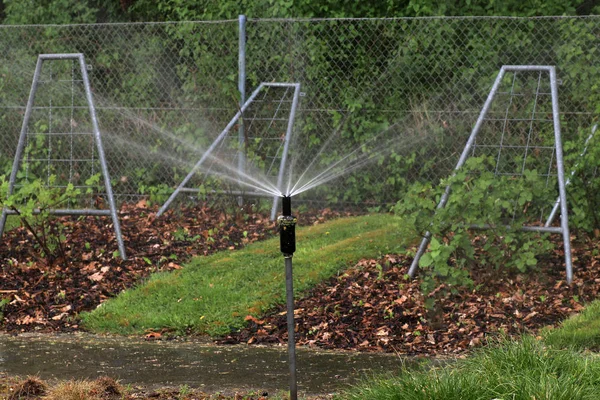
{"x":287,"y":228}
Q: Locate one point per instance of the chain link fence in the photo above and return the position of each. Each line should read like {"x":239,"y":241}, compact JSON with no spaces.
{"x":395,"y":97}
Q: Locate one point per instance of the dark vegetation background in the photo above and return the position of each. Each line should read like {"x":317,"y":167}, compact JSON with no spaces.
{"x":360,"y":76}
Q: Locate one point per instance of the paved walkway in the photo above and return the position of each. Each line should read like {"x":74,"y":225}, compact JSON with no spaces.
{"x":172,"y":363}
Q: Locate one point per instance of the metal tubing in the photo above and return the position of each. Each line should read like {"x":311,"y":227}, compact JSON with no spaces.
{"x":59,"y":56}
{"x":286,"y":146}
{"x":100,"y":148}
{"x":242,"y":90}
{"x":564,"y":216}
{"x":461,"y":161}
{"x":521,"y":228}
{"x":554,"y":211}
{"x":210,"y":150}
{"x":564,"y":229}
{"x":19,"y":153}
{"x":289,"y":289}
{"x":21,"y":145}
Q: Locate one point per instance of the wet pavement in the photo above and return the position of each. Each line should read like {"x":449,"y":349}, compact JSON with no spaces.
{"x":196,"y":364}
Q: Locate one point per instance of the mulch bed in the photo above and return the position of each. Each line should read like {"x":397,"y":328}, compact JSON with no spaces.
{"x":47,"y":297}
{"x":371,"y":307}
{"x":374,"y":307}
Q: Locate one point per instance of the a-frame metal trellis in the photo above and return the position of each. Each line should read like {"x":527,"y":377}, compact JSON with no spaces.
{"x":527,"y":148}
{"x":281,"y":112}
{"x":70,"y":162}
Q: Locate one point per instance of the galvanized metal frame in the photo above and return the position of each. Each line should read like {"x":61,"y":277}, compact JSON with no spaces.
{"x":556,"y":206}
{"x":223,"y":134}
{"x":562,"y":197}
{"x":242,"y":89}
{"x":112,"y":211}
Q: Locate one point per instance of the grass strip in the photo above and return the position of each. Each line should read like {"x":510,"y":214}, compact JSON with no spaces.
{"x":581,"y":331}
{"x":212,"y":295}
{"x":516,"y":370}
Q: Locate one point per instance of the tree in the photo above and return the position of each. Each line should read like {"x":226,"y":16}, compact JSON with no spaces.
{"x":18,"y":12}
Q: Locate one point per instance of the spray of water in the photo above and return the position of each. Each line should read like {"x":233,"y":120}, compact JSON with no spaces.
{"x":315,"y":174}
{"x":252,"y":178}
{"x":312,"y":176}
{"x":351,"y":161}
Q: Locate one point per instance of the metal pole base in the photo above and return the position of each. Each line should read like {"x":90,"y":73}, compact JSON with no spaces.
{"x":289,"y":289}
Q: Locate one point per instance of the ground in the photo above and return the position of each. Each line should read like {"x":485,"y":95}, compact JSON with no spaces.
{"x":370,"y":307}
{"x":105,"y":388}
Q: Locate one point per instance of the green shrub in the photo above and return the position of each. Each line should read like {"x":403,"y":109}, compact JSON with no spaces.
{"x":32,"y":203}
{"x":477,"y":198}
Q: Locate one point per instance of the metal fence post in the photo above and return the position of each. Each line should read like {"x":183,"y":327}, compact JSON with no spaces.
{"x":242,"y":89}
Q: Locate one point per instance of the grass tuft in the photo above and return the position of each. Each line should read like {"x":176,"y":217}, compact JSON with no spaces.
{"x":101,"y":389}
{"x":31,"y":387}
{"x":107,"y":388}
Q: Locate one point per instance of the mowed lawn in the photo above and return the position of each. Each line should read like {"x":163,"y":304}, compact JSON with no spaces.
{"x":212,"y":295}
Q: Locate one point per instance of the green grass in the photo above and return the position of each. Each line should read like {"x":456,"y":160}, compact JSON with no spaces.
{"x":581,"y":331}
{"x":213,"y":294}
{"x":12,"y":222}
{"x":515,"y":370}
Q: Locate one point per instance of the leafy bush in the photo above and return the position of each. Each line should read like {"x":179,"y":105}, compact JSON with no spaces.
{"x":33,"y":202}
{"x":477,"y":198}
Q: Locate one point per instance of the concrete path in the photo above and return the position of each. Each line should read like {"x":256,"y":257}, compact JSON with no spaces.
{"x":172,"y":363}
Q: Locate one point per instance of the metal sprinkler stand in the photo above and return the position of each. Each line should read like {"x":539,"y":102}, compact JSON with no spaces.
{"x":287,"y":238}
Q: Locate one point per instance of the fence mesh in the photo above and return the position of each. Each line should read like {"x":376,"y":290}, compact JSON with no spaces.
{"x":163,"y":90}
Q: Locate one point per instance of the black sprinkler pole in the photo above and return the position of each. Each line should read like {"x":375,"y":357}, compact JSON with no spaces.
{"x":287,"y":238}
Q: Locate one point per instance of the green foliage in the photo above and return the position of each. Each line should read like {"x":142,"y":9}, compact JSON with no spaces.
{"x":582,"y":193}
{"x":3,"y":303}
{"x":59,"y":12}
{"x":157,"y":194}
{"x":181,"y":10}
{"x":33,"y":202}
{"x":477,"y":198}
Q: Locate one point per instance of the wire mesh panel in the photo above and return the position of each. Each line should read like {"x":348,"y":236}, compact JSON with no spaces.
{"x":249,"y":161}
{"x":518,"y":133}
{"x":60,"y":145}
{"x":160,"y":89}
{"x":430,"y":75}
{"x":164,"y":89}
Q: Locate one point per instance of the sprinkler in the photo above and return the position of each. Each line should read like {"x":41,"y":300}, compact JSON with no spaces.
{"x":287,"y":239}
{"x":287,"y":228}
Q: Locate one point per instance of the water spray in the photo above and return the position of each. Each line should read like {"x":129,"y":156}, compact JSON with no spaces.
{"x":287,"y":240}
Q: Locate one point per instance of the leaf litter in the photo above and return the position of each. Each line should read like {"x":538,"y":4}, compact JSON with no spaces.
{"x":42,"y":297}
{"x":374,"y":306}
{"x":370,"y":307}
